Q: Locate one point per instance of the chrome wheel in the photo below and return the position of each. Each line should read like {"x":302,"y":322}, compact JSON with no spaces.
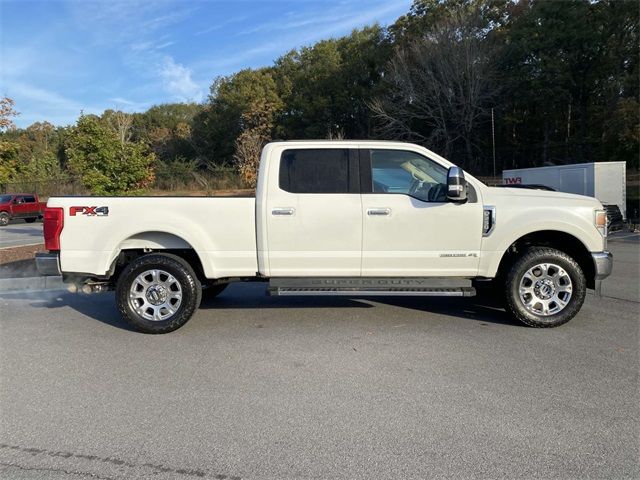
{"x":545,"y":289}
{"x":155,"y":295}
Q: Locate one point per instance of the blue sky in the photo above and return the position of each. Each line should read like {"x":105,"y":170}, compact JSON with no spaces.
{"x":60,"y":57}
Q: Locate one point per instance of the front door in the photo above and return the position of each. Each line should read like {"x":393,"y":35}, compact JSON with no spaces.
{"x":19,"y":207}
{"x":314,"y":216}
{"x":409,"y":228}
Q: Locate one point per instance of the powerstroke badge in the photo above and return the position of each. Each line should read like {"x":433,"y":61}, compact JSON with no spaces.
{"x":89,"y":211}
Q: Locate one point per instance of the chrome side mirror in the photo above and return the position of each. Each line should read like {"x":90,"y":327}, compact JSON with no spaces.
{"x":456,"y":185}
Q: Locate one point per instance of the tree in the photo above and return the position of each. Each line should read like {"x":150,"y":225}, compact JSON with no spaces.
{"x":108,"y":165}
{"x":167,"y":129}
{"x":39,"y":151}
{"x":220,"y":123}
{"x":257,"y":126}
{"x":7,"y":112}
{"x":439,"y":86}
{"x":325,"y":88}
{"x":8,"y":161}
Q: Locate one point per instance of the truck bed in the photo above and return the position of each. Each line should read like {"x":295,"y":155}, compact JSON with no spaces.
{"x":220,"y":229}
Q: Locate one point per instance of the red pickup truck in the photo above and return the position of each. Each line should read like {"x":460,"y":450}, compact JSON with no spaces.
{"x":20,"y":205}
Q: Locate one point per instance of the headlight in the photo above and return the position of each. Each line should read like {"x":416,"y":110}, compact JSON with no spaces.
{"x":600,"y":221}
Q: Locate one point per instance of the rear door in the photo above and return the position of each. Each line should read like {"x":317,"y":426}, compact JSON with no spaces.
{"x":409,"y":228}
{"x":31,"y":207}
{"x":314,"y":212}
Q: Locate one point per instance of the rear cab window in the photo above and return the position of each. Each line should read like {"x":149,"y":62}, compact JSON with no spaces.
{"x":318,"y":170}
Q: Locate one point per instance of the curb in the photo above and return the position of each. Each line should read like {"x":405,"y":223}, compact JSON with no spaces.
{"x":31,"y":284}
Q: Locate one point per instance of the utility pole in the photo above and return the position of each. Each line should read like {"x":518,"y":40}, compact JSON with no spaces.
{"x":493,"y":141}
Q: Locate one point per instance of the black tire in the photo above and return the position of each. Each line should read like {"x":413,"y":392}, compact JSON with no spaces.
{"x":530,"y":259}
{"x":184,"y":276}
{"x":30,"y":220}
{"x":4,"y":219}
{"x":212,"y":291}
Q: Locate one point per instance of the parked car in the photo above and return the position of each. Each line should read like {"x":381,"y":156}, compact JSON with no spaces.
{"x":20,"y":205}
{"x":352,"y":218}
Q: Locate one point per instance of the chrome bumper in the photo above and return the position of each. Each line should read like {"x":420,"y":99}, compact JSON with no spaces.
{"x":48,"y":264}
{"x":603,"y":262}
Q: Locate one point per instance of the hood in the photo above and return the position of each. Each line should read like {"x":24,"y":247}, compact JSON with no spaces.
{"x":543,"y":196}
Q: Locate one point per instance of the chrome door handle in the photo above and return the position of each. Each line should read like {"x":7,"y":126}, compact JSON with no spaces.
{"x":378,"y":211}
{"x":283,"y":211}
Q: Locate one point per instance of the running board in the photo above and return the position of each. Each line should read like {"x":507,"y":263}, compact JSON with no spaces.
{"x":375,"y":286}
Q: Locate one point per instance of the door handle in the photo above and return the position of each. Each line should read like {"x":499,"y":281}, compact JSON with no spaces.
{"x":283,"y":211}
{"x":379,"y":211}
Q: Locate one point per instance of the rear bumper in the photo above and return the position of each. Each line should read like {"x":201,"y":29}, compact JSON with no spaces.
{"x":603,"y":263}
{"x":48,"y":264}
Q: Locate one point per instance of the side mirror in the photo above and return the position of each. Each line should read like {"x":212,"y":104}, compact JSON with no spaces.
{"x":456,"y":185}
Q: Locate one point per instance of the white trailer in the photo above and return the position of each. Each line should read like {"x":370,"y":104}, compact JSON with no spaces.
{"x":605,"y":181}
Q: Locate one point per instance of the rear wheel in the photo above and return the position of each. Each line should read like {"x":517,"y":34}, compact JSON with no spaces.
{"x":30,"y":220}
{"x":4,"y":219}
{"x":545,"y":288}
{"x":158,"y":293}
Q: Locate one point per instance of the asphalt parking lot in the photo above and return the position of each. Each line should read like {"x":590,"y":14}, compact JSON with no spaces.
{"x":256,"y":387}
{"x":18,"y":233}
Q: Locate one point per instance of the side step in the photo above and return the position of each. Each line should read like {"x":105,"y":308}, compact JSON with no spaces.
{"x":372,"y":286}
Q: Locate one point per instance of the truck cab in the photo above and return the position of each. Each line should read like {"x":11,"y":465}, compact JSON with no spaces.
{"x":356,"y":218}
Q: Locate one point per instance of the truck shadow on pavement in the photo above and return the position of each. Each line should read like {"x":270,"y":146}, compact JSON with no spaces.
{"x":254,"y":296}
{"x":101,"y":307}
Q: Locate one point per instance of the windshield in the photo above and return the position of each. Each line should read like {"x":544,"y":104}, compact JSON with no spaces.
{"x":5,"y":198}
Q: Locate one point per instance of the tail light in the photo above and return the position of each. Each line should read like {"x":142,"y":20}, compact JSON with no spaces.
{"x":53,"y":223}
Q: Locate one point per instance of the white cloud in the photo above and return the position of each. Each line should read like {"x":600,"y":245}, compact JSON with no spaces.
{"x":52,"y":106}
{"x":178,"y":82}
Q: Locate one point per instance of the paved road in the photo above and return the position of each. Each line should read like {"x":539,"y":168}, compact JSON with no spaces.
{"x":19,"y":233}
{"x":272,"y":388}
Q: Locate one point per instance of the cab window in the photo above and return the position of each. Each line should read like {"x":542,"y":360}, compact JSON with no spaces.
{"x":408,"y":173}
{"x":315,"y":170}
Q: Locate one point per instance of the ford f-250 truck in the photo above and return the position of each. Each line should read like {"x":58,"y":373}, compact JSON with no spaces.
{"x":356,"y":218}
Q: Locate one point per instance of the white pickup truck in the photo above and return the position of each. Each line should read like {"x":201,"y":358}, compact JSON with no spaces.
{"x":356,"y":218}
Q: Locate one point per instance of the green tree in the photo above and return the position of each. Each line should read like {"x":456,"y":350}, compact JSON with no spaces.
{"x":216,"y":128}
{"x":108,"y":164}
{"x":8,"y":161}
{"x":326,"y":87}
{"x":8,"y":149}
{"x":167,"y":129}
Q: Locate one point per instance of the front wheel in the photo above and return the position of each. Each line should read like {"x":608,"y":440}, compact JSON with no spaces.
{"x":4,"y":219}
{"x":158,"y":293}
{"x":545,"y":288}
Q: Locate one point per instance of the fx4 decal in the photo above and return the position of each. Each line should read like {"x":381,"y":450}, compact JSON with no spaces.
{"x":89,"y":211}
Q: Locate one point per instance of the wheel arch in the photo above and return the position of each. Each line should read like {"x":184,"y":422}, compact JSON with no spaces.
{"x":143,"y":243}
{"x":559,"y":240}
